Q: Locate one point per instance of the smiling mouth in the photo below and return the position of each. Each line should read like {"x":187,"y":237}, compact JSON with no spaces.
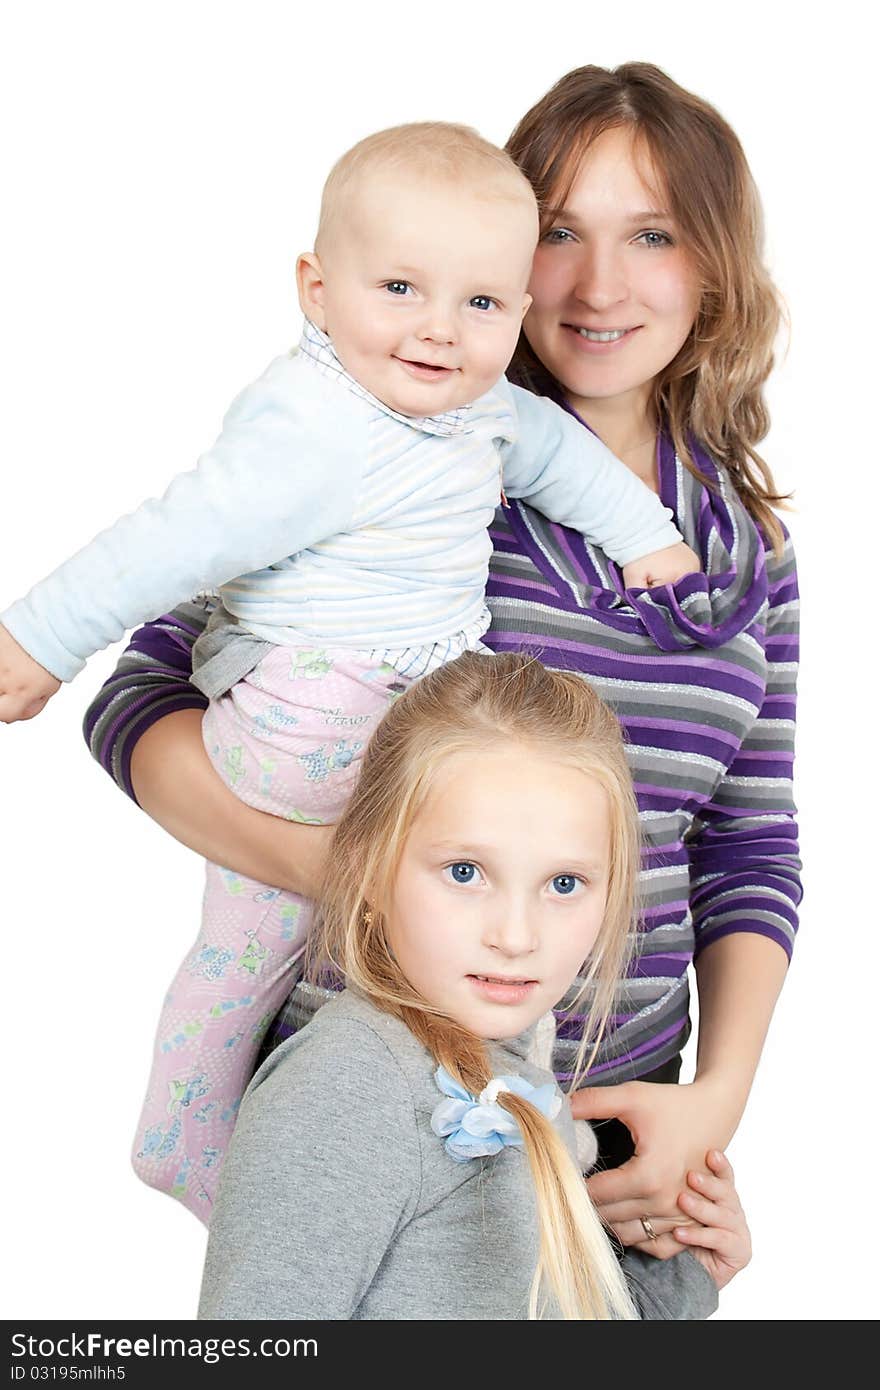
{"x":606,"y":335}
{"x":424,"y":366}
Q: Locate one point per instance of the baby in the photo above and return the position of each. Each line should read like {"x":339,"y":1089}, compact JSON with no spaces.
{"x":343,"y":516}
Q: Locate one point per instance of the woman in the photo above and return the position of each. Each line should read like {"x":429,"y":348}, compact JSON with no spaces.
{"x":653,"y":322}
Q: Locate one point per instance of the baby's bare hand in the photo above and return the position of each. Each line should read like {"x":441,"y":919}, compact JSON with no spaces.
{"x":661,"y":567}
{"x":25,"y":685}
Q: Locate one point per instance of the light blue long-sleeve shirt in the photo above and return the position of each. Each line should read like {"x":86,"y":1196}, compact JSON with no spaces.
{"x":324,"y":517}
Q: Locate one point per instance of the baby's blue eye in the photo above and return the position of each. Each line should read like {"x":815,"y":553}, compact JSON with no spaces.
{"x":564,"y":884}
{"x":397,"y":286}
{"x":482,"y":301}
{"x":463,"y":872}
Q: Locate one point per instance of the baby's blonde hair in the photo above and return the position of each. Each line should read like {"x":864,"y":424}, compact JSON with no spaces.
{"x":431,"y":151}
{"x":473,"y":703}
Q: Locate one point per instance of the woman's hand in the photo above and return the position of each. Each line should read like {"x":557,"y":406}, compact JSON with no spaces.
{"x":672,"y":1129}
{"x":716,"y":1233}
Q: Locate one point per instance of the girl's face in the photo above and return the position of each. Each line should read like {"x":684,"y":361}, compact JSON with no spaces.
{"x":614,"y":293}
{"x":501,"y":888}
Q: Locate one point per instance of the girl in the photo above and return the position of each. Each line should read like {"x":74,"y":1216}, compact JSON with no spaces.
{"x":380,"y":1167}
{"x":652,"y":321}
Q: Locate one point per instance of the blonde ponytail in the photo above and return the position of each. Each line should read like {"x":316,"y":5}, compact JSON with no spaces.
{"x":576,"y":1264}
{"x":576,"y":1267}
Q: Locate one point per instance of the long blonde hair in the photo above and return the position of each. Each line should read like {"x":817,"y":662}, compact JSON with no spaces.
{"x":472,"y":703}
{"x":713,"y":388}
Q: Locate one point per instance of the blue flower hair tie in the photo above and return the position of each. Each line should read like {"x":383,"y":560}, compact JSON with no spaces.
{"x":477,"y":1126}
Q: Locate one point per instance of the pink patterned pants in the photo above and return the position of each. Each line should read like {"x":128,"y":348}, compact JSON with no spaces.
{"x":287,"y":739}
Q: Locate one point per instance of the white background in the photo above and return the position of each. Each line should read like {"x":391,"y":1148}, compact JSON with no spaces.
{"x":162,"y":167}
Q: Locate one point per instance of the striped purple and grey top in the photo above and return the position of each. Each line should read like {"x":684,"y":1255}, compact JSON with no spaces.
{"x":702,"y":677}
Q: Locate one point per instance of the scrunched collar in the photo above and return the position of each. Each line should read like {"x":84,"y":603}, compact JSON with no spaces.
{"x":710,"y":608}
{"x":701,"y":610}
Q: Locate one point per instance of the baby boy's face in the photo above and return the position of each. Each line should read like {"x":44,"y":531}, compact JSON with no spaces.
{"x":423,"y":290}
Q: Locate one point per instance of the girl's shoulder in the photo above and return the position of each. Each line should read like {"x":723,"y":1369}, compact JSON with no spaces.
{"x":329,"y":1114}
{"x":348,"y":1039}
{"x":350,"y":1047}
{"x":338,"y":1085}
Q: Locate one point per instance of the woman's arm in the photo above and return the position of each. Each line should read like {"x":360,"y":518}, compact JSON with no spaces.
{"x":745,"y":890}
{"x":144,"y":728}
{"x":174,"y":782}
{"x":745,"y":871}
{"x":739,"y":979}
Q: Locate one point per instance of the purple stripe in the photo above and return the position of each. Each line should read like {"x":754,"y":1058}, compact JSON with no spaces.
{"x":652,"y":668}
{"x":174,"y":620}
{"x":651,"y":791}
{"x":519,"y":528}
{"x":769,"y":755}
{"x":668,"y":855}
{"x":564,"y":536}
{"x":662,"y":965}
{"x":663,"y":915}
{"x":195,"y":701}
{"x":749,"y":904}
{"x":677,"y":741}
{"x":760,"y":929}
{"x":160,"y":672}
{"x":139,"y":728}
{"x":652,"y":1046}
{"x":597,"y":661}
{"x":540,"y":585}
{"x":689,"y":730}
{"x":730,"y":807}
{"x":124,"y":718}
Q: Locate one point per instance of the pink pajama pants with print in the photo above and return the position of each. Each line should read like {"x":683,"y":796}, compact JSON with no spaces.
{"x":288,"y":739}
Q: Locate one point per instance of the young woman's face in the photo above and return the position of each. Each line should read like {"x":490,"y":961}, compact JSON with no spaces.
{"x":614,"y":293}
{"x":501,"y":889}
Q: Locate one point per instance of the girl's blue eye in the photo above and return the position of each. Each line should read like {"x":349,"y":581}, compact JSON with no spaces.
{"x":397,"y":286}
{"x":462,"y":872}
{"x":482,"y":301}
{"x":565,"y":884}
{"x":559,"y":234}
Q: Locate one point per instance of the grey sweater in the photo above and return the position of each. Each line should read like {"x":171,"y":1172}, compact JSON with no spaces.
{"x":338,"y":1201}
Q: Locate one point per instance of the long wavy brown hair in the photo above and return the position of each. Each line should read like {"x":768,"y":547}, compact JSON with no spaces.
{"x":713,"y":390}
